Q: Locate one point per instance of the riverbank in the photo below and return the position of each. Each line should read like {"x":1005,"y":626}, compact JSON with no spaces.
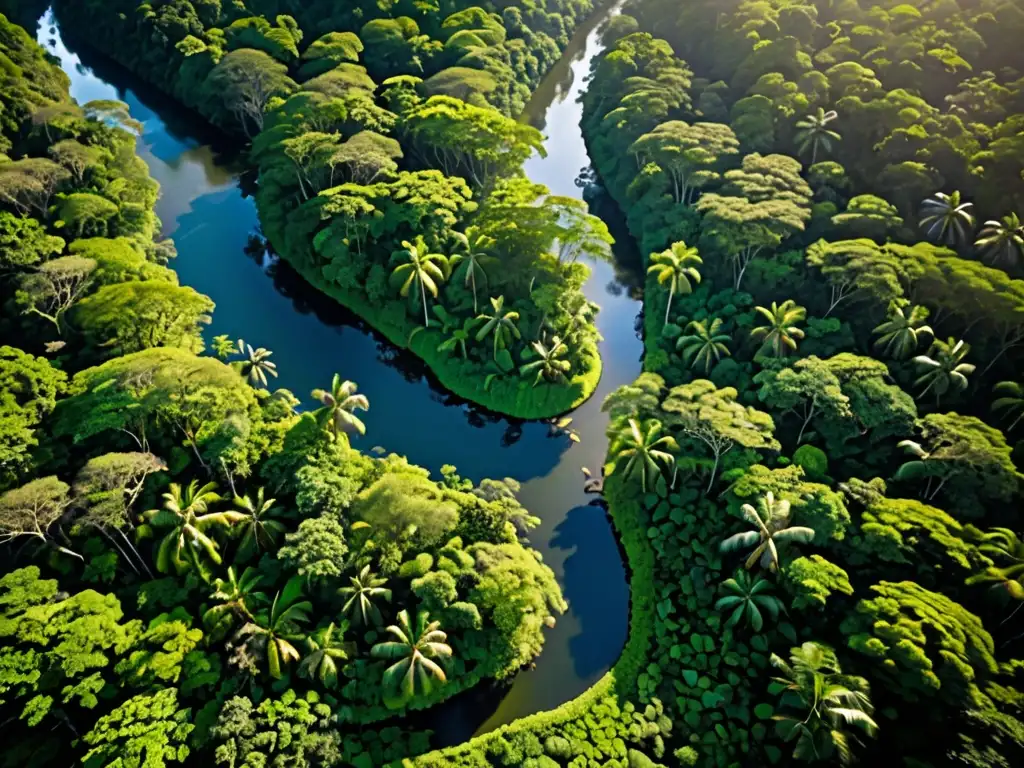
{"x":312,"y":337}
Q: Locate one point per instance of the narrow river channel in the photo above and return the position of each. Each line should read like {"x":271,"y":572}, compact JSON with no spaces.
{"x":205,"y":209}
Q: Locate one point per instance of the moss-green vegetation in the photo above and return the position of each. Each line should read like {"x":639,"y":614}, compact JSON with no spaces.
{"x":195,"y":572}
{"x":390,"y":172}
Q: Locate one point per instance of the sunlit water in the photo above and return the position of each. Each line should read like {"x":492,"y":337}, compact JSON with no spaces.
{"x":203,"y":207}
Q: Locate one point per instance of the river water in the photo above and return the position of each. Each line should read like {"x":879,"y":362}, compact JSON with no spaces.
{"x":205,"y":208}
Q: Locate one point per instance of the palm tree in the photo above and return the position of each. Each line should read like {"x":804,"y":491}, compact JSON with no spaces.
{"x":470,"y":265}
{"x":813,"y":133}
{"x":426,"y":271}
{"x":256,"y":365}
{"x":185,"y":514}
{"x":339,"y":406}
{"x":747,"y":596}
{"x":676,"y":268}
{"x":943,"y":369}
{"x":365,"y":589}
{"x":459,"y":338}
{"x":279,"y":627}
{"x":416,"y":646}
{"x":325,"y":648}
{"x":771,"y":523}
{"x":945,"y":219}
{"x":780,"y":334}
{"x":1011,"y":404}
{"x":901,"y":333}
{"x":260,"y":531}
{"x":818,"y":702}
{"x":1003,"y":544}
{"x":550,"y":363}
{"x":579,"y":318}
{"x":642,"y":449}
{"x":501,"y":325}
{"x":1002,"y":240}
{"x":235,"y":600}
{"x":224,"y":347}
{"x":703,"y":345}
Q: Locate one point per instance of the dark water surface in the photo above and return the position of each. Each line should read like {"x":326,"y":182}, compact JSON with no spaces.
{"x":204,"y":208}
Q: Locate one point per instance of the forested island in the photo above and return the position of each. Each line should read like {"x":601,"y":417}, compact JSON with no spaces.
{"x":390,"y":170}
{"x":814,"y":481}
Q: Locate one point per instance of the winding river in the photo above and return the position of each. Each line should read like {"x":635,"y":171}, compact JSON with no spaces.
{"x":205,"y":208}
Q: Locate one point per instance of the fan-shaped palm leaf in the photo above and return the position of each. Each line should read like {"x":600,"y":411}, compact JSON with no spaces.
{"x":421,"y":273}
{"x":642,"y":450}
{"x":819,"y":702}
{"x":360,"y":597}
{"x":1010,"y":403}
{"x":260,"y":530}
{"x":469,"y":265}
{"x":550,"y":362}
{"x":676,"y":269}
{"x":186,"y":518}
{"x":234,"y":601}
{"x":1001,"y":241}
{"x":256,"y":365}
{"x":324,"y":649}
{"x":339,"y":406}
{"x":747,"y":598}
{"x":779,"y":336}
{"x":771,"y":521}
{"x":704,"y":345}
{"x":901,"y":334}
{"x":500,"y":325}
{"x":813,"y":133}
{"x":942,"y":370}
{"x":945,"y":219}
{"x":417,"y":646}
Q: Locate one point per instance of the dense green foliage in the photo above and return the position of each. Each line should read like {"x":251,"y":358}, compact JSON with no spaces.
{"x":817,"y":493}
{"x":197,"y":573}
{"x":390,"y":169}
{"x":880,"y":486}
